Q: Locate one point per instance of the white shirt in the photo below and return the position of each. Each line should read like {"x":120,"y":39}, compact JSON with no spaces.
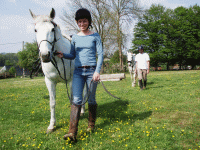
{"x":141,"y":60}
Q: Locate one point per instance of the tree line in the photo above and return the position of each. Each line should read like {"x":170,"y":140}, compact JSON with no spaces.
{"x":170,"y":36}
{"x":8,"y":59}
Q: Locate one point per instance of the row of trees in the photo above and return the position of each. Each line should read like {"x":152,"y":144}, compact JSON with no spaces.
{"x":170,"y":36}
{"x":8,"y":59}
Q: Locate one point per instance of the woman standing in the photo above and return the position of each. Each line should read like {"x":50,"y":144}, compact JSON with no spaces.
{"x":84,"y":47}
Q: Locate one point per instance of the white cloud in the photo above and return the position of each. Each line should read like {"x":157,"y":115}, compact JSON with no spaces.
{"x":12,"y":1}
{"x":51,"y":3}
{"x":16,"y":28}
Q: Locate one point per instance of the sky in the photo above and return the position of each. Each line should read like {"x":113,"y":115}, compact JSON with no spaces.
{"x":16,"y":23}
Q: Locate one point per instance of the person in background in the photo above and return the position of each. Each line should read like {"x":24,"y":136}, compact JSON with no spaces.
{"x":142,"y":66}
{"x":84,"y":47}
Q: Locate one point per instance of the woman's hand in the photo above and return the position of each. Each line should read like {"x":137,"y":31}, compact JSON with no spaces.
{"x":60,"y":54}
{"x":96,"y":76}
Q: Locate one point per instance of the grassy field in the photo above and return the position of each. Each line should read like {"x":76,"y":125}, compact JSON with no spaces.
{"x":164,"y":116}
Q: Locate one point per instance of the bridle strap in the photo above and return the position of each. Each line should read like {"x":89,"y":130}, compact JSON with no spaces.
{"x":54,"y":41}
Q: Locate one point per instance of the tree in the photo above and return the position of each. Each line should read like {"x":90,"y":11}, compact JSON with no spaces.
{"x":8,"y":59}
{"x":116,"y":59}
{"x":12,"y":70}
{"x":148,"y":33}
{"x":28,"y":55}
{"x":170,"y":36}
{"x":122,"y":13}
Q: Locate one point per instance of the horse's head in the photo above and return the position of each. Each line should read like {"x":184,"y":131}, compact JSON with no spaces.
{"x":45,"y":35}
{"x":129,"y":56}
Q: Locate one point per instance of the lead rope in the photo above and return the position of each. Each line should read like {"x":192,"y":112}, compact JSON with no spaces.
{"x":65,"y":78}
{"x":108,"y":91}
{"x":70,"y":98}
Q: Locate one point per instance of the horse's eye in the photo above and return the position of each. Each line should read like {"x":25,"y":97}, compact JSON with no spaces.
{"x":35,"y":30}
{"x":53,"y":30}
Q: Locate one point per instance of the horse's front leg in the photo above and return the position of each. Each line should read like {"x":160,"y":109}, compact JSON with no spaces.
{"x":85,"y":94}
{"x":134,"y":79}
{"x":52,"y":95}
{"x":131,"y":74}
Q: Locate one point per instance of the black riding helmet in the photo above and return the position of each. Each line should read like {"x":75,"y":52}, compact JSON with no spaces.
{"x":83,"y":13}
{"x":140,"y":47}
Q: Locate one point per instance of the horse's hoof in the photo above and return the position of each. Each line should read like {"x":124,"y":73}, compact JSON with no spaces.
{"x":49,"y":131}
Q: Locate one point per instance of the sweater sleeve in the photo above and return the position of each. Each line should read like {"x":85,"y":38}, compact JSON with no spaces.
{"x":99,"y":49}
{"x":72,"y":53}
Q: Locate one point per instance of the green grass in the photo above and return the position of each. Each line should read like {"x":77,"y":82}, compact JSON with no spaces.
{"x":164,"y":116}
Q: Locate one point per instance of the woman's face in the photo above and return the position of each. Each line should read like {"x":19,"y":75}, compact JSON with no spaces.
{"x":83,"y":24}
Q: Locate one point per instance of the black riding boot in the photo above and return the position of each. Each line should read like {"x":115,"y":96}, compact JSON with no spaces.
{"x":141,"y":85}
{"x":145,"y":83}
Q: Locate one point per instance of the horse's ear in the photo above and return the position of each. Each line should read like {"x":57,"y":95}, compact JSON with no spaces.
{"x":52,"y":14}
{"x":32,"y":14}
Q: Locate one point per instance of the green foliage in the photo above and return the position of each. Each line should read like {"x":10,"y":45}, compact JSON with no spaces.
{"x":28,"y":55}
{"x":12,"y":70}
{"x":9,"y":59}
{"x":8,"y":63}
{"x":164,"y":116}
{"x":170,"y":36}
{"x":116,"y":59}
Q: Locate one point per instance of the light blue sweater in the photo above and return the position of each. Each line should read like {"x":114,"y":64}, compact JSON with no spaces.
{"x":84,"y":49}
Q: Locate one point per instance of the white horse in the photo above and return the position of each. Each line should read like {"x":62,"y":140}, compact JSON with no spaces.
{"x":132,"y":67}
{"x":49,"y":39}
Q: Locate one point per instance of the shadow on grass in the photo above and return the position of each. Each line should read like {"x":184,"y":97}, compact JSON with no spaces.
{"x":149,"y":83}
{"x":117,"y":111}
{"x":112,"y":112}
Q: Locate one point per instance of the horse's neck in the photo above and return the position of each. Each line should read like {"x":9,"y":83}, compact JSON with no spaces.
{"x":62,"y":44}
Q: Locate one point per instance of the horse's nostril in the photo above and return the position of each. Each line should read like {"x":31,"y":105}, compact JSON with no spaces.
{"x":46,"y":58}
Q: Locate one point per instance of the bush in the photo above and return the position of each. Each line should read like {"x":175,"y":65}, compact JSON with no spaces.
{"x":12,"y":70}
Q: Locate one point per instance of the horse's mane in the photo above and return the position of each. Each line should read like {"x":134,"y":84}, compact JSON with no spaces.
{"x":43,"y":18}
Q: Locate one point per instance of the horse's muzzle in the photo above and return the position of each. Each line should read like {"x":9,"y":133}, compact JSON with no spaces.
{"x":45,"y":58}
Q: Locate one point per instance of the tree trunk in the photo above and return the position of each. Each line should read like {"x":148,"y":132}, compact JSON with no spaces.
{"x":119,"y":41}
{"x":23,"y":73}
